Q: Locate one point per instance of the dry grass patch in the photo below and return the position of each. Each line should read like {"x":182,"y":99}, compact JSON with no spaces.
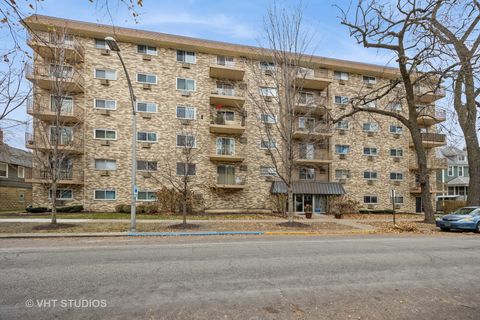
{"x":416,"y":227}
{"x":386,"y":217}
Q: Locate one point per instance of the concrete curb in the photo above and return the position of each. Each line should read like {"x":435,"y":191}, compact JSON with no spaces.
{"x":200,"y":233}
{"x":62,"y":235}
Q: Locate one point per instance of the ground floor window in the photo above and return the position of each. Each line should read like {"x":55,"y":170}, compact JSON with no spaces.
{"x":147,"y":196}
{"x":62,"y":194}
{"x":105,"y":194}
{"x":318,"y":202}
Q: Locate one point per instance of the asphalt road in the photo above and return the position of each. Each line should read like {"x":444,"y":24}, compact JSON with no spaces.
{"x":242,"y":278}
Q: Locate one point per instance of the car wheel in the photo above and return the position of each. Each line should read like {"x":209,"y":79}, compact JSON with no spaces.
{"x":444,"y":229}
{"x":477,"y":228}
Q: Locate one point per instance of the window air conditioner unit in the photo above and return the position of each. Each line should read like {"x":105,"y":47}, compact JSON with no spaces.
{"x":342,"y":131}
{"x":398,"y":206}
{"x":370,"y":133}
{"x":268,"y":72}
{"x":146,"y":145}
{"x":243,"y":167}
{"x":147,"y":86}
{"x":186,"y":93}
{"x":342,"y":106}
{"x":342,"y":156}
{"x":396,"y":135}
{"x":342,"y":82}
{"x":268,"y":99}
{"x":370,"y":206}
{"x":147,"y":57}
{"x":396,"y":159}
{"x":370,"y":182}
{"x":146,"y":116}
{"x":186,"y":65}
{"x":397,"y":183}
{"x":342,"y":180}
{"x":105,"y":52}
{"x":370,"y":158}
{"x":104,"y":82}
{"x":185,"y":122}
{"x":242,"y":86}
{"x":186,"y":151}
{"x":243,"y":140}
{"x":146,"y":175}
{"x":369,"y":85}
{"x":104,"y":112}
{"x":105,"y":173}
{"x":105,"y":143}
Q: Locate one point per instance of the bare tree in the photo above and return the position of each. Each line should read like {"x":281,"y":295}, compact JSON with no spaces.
{"x":456,"y":25}
{"x":289,"y":118}
{"x":394,"y":28}
{"x":54,"y":138}
{"x":12,"y":89}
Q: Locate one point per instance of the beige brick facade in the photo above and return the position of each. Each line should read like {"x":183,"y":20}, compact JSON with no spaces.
{"x":254,"y":194}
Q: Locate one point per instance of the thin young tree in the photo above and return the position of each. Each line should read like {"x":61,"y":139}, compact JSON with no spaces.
{"x":56,"y":135}
{"x":393,"y":28}
{"x":280,"y":70}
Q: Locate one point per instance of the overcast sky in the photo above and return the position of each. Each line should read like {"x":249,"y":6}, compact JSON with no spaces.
{"x":231,"y":21}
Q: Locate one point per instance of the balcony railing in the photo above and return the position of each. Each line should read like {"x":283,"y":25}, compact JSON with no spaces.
{"x":432,"y":163}
{"x":313,"y":131}
{"x":44,"y":143}
{"x":428,"y":94}
{"x":434,"y":137}
{"x":50,"y":41}
{"x":41,"y":108}
{"x":230,"y":182}
{"x":64,"y":78}
{"x":316,"y":79}
{"x":64,"y":176}
{"x":430,"y":115}
{"x":225,"y":69}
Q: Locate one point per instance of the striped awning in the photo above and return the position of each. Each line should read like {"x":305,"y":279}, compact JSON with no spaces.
{"x":309,"y":187}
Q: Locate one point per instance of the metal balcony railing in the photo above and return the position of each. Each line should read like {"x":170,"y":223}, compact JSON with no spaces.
{"x":67,"y":42}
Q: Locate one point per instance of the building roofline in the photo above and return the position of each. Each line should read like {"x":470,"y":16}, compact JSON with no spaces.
{"x":42,"y":22}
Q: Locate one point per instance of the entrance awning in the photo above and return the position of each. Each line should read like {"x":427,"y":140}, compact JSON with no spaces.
{"x":309,"y":187}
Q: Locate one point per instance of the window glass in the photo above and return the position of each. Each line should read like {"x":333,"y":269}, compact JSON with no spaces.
{"x":185,"y":84}
{"x":268,"y":171}
{"x":144,"y":49}
{"x":341,"y":100}
{"x":146,"y":107}
{"x":105,"y":74}
{"x":146,"y":196}
{"x":342,"y":149}
{"x":189,"y":167}
{"x":105,"y":104}
{"x":268,"y":92}
{"x":185,"y":112}
{"x":105,"y":164}
{"x":338,"y":75}
{"x":4,"y":170}
{"x":186,"y":141}
{"x":105,"y":195}
{"x":185,"y":56}
{"x":105,"y":134}
{"x":101,"y":44}
{"x":370,"y":175}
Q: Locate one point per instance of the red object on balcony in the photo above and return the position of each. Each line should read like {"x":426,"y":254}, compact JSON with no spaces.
{"x":218,"y":106}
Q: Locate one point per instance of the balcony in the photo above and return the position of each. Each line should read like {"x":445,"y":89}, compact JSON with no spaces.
{"x":229,"y":70}
{"x":415,"y":188}
{"x":317,"y":79}
{"x":314,"y":132}
{"x":65,"y":177}
{"x":429,"y":115}
{"x":221,"y":126}
{"x":427,"y":95}
{"x":432,"y":163}
{"x":432,"y":140}
{"x":44,"y":144}
{"x":60,"y":79}
{"x":49,"y":48}
{"x":312,"y":106}
{"x":227,"y":98}
{"x":319,"y":157}
{"x":41,"y":109}
{"x":230,"y":182}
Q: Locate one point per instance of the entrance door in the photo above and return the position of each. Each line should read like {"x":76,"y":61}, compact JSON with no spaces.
{"x":320,"y":203}
{"x":308,"y":200}
{"x":418,"y":204}
{"x":298,"y":203}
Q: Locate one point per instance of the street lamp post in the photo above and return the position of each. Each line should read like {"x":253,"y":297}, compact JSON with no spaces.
{"x":113,"y":45}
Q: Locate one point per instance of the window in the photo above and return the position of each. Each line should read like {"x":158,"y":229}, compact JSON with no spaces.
{"x":306,"y":98}
{"x":225,"y":89}
{"x":105,"y":134}
{"x":268,"y":92}
{"x":185,"y":84}
{"x":144,"y":49}
{"x":460,"y":171}
{"x":226,"y":174}
{"x":338,"y":75}
{"x":105,"y":194}
{"x":342,"y":149}
{"x":225,"y":61}
{"x":268,"y":171}
{"x":369,"y":80}
{"x":101,"y":44}
{"x":370,"y":104}
{"x":65,"y":135}
{"x":226,"y":146}
{"x":105,"y":164}
{"x":146,"y":107}
{"x":62,"y":103}
{"x":396,"y":176}
{"x":395,"y":106}
{"x":450,"y":171}
{"x":268,"y":144}
{"x":107,"y":74}
{"x":396,"y":152}
{"x":146,"y":78}
{"x":461,"y":158}
{"x":105,"y":104}
{"x":186,"y":112}
{"x":3,"y":170}
{"x":342,"y":174}
{"x":370,"y":199}
{"x":265,"y":65}
{"x":370,"y":175}
{"x":306,"y":123}
{"x":147,"y":196}
{"x":370,"y":126}
{"x":370,"y":151}
{"x":398,"y":200}
{"x":20,"y":172}
{"x":307,"y":151}
{"x":185,"y":141}
{"x":341,"y":100}
{"x":305,"y":72}
{"x":147,"y":136}
{"x":396,"y":129}
{"x":61,"y":71}
{"x":186,"y":56}
{"x":342,"y":125}
{"x":223,"y":116}
{"x":306,"y":173}
{"x":268,"y":118}
{"x":189,"y":168}
{"x":62,"y":194}
{"x":145,"y":165}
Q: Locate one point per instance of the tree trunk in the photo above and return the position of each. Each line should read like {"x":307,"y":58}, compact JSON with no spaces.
{"x":184,"y":211}
{"x":473,"y":154}
{"x":290,"y":204}
{"x":54,"y":203}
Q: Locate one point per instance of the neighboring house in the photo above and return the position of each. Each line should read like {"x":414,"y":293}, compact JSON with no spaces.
{"x":15,"y":167}
{"x":182,"y":81}
{"x":455,"y":177}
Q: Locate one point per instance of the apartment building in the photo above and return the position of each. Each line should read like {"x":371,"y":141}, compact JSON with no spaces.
{"x":180,"y":83}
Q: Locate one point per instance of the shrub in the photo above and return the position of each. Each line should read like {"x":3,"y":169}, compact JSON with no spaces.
{"x":126,"y":208}
{"x":343,"y":205}
{"x":76,"y":208}
{"x":119,"y":208}
{"x":37,"y":209}
{"x":452,"y":205}
{"x":168,"y":200}
{"x":151,"y":209}
{"x":141,"y":208}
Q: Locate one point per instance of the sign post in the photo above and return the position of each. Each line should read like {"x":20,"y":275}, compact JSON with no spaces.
{"x":393,"y":205}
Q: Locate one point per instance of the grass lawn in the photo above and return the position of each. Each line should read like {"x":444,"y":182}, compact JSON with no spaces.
{"x":114,"y":215}
{"x":322,"y":227}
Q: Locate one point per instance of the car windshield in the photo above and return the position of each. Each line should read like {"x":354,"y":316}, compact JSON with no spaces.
{"x":464,"y":211}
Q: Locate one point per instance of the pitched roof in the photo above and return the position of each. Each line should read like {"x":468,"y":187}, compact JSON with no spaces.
{"x":459,"y":181}
{"x":309,"y":187}
{"x":15,"y":156}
